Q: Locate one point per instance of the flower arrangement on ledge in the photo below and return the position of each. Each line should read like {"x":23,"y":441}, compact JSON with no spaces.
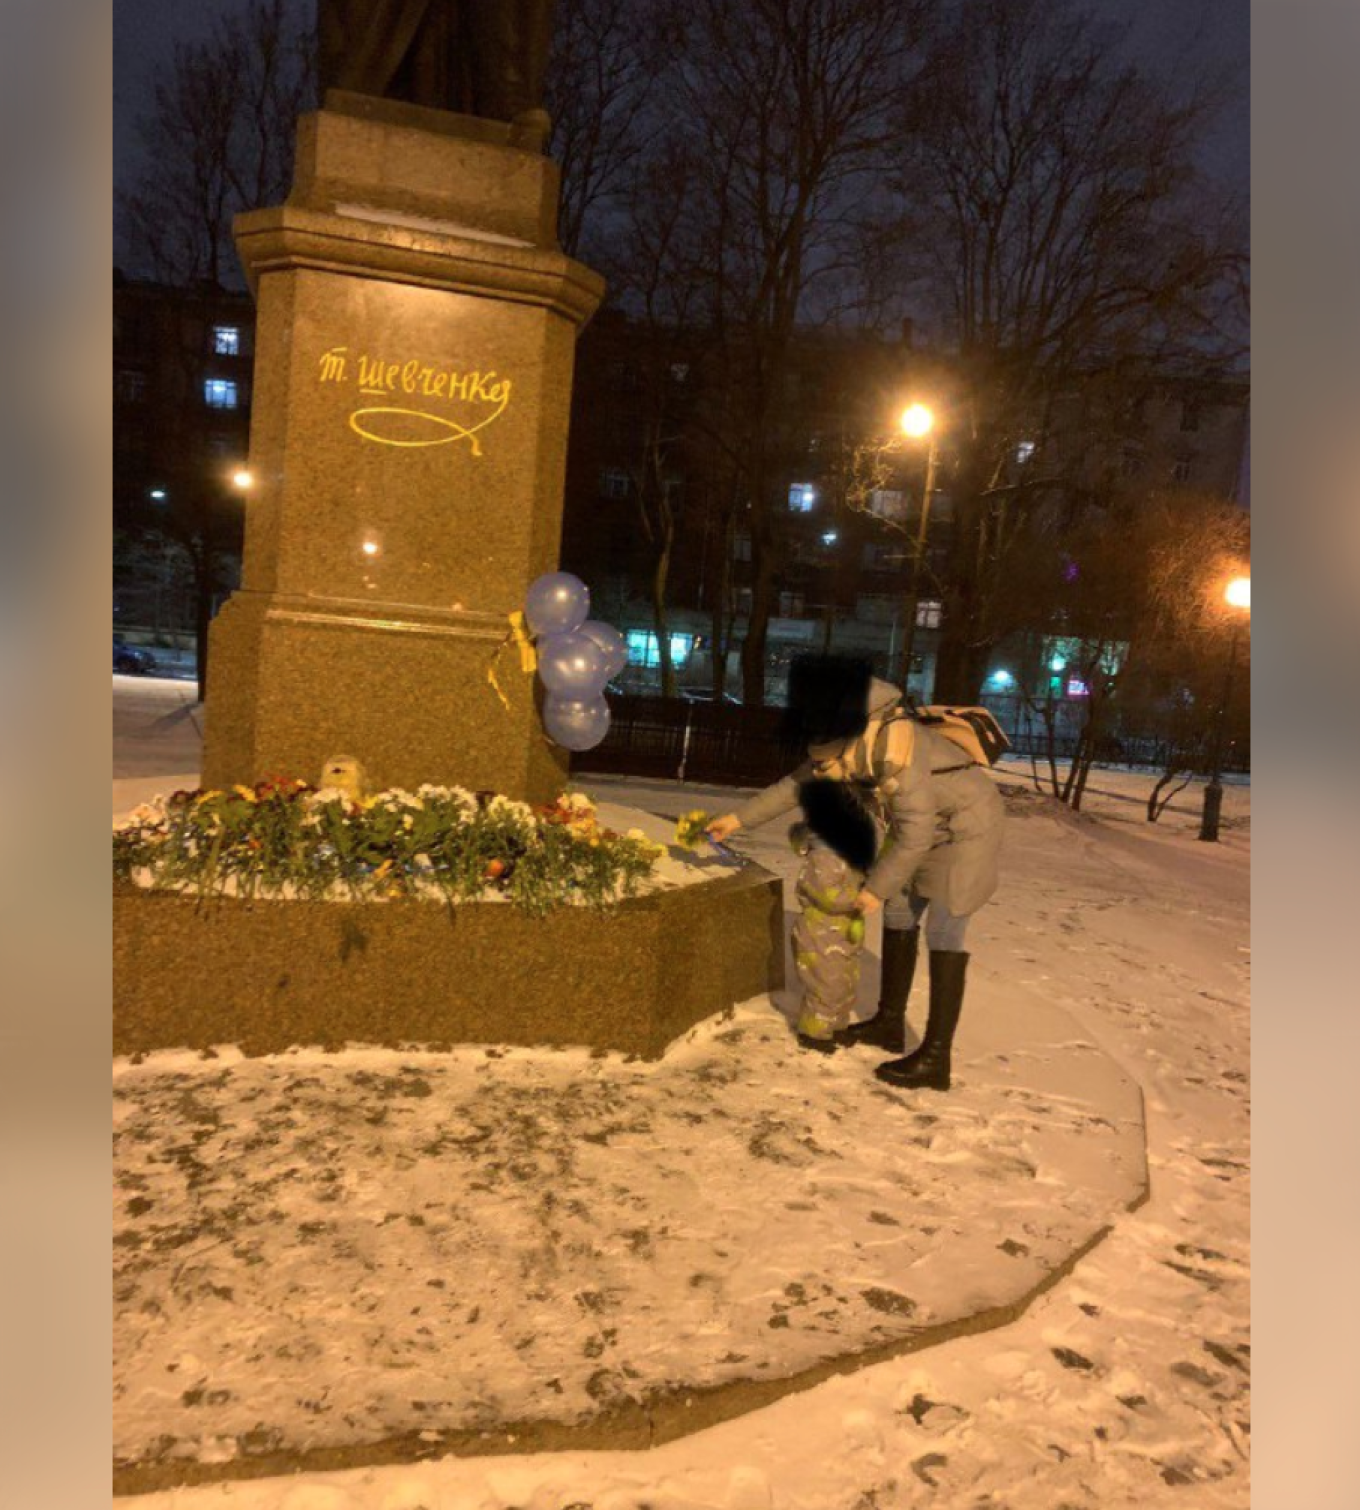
{"x":285,"y":838}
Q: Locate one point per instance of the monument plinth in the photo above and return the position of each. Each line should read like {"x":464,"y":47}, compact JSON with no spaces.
{"x":414,"y":346}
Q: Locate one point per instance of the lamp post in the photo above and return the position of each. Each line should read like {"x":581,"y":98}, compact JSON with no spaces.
{"x":918,"y":422}
{"x":240,"y":480}
{"x":1236,"y":595}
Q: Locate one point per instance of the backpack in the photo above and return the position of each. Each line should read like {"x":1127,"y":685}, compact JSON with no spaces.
{"x":974,"y":730}
{"x":886,"y":746}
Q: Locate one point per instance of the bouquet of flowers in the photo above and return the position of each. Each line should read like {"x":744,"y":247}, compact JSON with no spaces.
{"x":690,"y":828}
{"x":285,"y":838}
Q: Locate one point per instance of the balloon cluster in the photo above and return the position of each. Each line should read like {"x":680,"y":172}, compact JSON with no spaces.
{"x":577,"y":655}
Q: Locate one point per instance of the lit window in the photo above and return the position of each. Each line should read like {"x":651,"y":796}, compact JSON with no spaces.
{"x":802,"y":495}
{"x":1024,"y":451}
{"x":830,"y":537}
{"x":226,"y":341}
{"x":644,"y":650}
{"x":679,"y":371}
{"x":1062,"y":652}
{"x":614,"y":483}
{"x":928,"y":615}
{"x":1077,"y":688}
{"x":219,"y":393}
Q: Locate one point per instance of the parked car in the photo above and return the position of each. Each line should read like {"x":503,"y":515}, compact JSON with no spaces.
{"x":131,"y":660}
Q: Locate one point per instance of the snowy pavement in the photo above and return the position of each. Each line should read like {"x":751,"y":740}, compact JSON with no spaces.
{"x":317,"y":1252}
{"x":1125,"y":1384}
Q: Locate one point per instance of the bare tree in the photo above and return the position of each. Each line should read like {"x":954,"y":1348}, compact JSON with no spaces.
{"x":1178,"y":667}
{"x":608,"y":66}
{"x":1129,"y":603}
{"x":218,"y":140}
{"x":789,"y":104}
{"x":654,"y":270}
{"x":1051,"y":219}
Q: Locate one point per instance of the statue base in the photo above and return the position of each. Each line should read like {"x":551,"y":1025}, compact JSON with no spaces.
{"x":414,"y":348}
{"x":267,"y":976}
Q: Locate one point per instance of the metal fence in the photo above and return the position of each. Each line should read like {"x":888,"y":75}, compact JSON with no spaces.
{"x":718,"y":744}
{"x":715,"y":744}
{"x":1123,"y":742}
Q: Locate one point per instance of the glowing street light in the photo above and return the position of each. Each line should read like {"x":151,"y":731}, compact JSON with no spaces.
{"x":1237,"y":594}
{"x":158,"y":495}
{"x":243,"y":479}
{"x":917,"y":421}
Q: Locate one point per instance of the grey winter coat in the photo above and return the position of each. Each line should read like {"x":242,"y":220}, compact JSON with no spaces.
{"x":943,"y":819}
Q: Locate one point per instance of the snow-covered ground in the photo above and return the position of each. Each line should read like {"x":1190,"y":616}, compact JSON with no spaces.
{"x":1125,"y":1384}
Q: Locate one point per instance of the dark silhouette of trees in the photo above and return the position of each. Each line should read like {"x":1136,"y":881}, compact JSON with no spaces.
{"x":745,"y":173}
{"x":218,"y":139}
{"x":1050,"y":219}
{"x":790,"y":105}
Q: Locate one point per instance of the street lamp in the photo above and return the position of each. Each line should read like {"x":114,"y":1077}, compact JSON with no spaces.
{"x":918,"y":422}
{"x":243,"y":479}
{"x":1237,"y":594}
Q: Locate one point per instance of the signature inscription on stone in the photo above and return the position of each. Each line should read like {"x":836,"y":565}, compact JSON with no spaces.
{"x":476,"y":399}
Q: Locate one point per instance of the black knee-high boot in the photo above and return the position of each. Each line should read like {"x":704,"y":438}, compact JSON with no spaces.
{"x":928,"y":1067}
{"x":887,"y":1028}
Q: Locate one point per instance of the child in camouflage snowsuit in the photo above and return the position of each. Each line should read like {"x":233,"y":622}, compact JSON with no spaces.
{"x":837,"y":840}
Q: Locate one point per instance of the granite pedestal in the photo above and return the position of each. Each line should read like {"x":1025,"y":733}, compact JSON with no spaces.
{"x":414,"y":347}
{"x":269,"y":975}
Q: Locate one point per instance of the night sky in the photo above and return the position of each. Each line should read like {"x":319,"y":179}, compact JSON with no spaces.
{"x":1178,"y":38}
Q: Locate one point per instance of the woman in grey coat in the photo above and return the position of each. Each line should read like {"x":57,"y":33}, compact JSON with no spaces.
{"x":942,"y":816}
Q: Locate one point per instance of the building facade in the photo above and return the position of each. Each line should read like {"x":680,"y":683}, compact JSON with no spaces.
{"x":182,"y":372}
{"x":649,"y":486}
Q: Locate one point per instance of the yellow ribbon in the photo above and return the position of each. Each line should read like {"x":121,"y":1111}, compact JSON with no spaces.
{"x":528,"y":658}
